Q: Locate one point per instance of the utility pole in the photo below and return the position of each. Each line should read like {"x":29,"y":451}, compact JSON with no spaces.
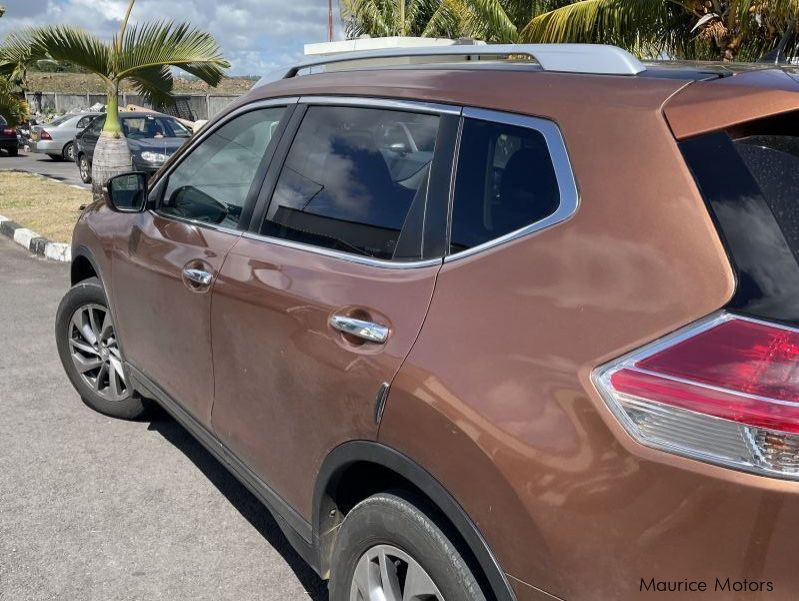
{"x":329,"y":20}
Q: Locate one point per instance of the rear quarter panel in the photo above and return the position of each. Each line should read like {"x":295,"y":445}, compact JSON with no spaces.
{"x":495,"y":398}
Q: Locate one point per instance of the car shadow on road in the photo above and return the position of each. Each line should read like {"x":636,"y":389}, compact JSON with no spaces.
{"x":241,"y":498}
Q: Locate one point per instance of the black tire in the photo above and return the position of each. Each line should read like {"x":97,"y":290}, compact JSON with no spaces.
{"x":402,"y":521}
{"x":85,"y":169}
{"x":12,"y":152}
{"x":90,"y":293}
{"x":67,"y":153}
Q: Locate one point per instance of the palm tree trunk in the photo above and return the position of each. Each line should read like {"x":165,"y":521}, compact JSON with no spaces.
{"x":112,"y":155}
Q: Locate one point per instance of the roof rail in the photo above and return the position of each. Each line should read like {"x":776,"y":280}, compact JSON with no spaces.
{"x":597,"y":59}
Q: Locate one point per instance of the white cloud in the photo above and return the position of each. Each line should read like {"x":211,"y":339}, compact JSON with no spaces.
{"x":255,"y":35}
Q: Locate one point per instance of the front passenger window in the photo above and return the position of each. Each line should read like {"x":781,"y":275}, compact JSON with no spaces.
{"x":355,"y":180}
{"x":213,"y":182}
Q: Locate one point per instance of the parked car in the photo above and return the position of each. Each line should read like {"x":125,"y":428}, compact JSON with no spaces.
{"x":467,"y":336}
{"x":57,"y":138}
{"x":152,"y":139}
{"x":8,"y":138}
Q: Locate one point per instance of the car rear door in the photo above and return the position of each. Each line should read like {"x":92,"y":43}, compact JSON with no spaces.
{"x":167,"y":259}
{"x":315,"y":310}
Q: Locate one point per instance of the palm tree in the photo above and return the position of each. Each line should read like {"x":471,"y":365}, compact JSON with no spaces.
{"x":720,"y":29}
{"x":383,"y":18}
{"x":143,"y":54}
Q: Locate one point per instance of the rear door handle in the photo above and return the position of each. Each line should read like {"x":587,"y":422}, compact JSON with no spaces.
{"x":200,"y":277}
{"x":365,"y":330}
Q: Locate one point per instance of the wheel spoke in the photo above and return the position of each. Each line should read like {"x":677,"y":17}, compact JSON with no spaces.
{"x":106,"y":327}
{"x":418,"y":585}
{"x":388,"y":577}
{"x":84,"y":364}
{"x":80,"y":323}
{"x":93,"y":323}
{"x":83,"y":347}
{"x":100,"y":374}
{"x":360,"y":582}
{"x":116,"y":366}
{"x":113,"y":381}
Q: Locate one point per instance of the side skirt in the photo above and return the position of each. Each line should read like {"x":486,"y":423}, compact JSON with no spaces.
{"x":296,"y":529}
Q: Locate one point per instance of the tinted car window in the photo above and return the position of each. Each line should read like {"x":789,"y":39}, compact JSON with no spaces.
{"x":352,"y":177}
{"x":150,"y":126}
{"x":505,"y":181}
{"x":83,"y":122}
{"x":97,"y":125}
{"x":212,"y":183}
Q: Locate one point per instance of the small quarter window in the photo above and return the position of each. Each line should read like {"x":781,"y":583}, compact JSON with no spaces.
{"x":355,"y":180}
{"x":505,"y":181}
{"x":212,"y":183}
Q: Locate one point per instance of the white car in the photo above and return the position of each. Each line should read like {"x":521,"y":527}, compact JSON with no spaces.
{"x":57,"y":138}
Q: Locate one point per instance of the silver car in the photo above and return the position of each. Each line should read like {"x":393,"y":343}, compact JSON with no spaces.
{"x":57,"y":138}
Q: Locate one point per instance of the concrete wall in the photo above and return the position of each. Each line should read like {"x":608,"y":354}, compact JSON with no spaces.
{"x":204,"y":106}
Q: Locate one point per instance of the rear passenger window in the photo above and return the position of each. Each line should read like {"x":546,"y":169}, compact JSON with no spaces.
{"x":355,"y":180}
{"x":505,"y":181}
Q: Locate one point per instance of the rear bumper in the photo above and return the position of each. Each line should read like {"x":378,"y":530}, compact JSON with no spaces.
{"x":6,"y":143}
{"x":46,"y":146}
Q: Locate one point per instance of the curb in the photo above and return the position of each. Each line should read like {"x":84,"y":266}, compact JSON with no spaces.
{"x":33,"y":242}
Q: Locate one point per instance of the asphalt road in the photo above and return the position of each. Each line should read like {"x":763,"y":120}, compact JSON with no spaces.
{"x":42,"y":164}
{"x":98,"y":509}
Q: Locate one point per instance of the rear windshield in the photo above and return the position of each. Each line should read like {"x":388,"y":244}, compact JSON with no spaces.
{"x":750,"y":180}
{"x":774,"y":163}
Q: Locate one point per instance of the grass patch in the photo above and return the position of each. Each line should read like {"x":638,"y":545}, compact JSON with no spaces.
{"x":48,"y":208}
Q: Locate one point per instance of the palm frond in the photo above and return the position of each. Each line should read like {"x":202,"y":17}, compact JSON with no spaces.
{"x":12,"y":107}
{"x":72,"y":45}
{"x":487,"y":19}
{"x":160,"y":44}
{"x":365,"y":17}
{"x":155,"y":84}
{"x":635,"y":24}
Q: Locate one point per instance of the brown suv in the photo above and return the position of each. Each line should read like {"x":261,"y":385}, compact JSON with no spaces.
{"x":521,"y":326}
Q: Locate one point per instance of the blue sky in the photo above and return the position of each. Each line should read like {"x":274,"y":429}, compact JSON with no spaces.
{"x":257,"y":36}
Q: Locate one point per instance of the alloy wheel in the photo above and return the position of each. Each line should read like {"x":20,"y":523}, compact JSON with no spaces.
{"x":94,"y":349}
{"x":386,"y":573}
{"x":84,"y":169}
{"x":69,"y":152}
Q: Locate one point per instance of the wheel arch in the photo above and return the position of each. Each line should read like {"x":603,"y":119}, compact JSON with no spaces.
{"x":84,"y":266}
{"x":385,"y":468}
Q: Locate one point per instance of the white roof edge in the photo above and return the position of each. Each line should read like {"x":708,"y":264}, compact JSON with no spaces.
{"x":599,"y":59}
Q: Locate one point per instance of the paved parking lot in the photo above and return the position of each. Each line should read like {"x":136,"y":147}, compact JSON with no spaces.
{"x":63,"y":171}
{"x":93,"y":508}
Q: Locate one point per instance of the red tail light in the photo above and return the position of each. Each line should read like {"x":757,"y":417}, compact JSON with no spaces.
{"x":10,"y":131}
{"x":724,"y":391}
{"x":44,"y":135}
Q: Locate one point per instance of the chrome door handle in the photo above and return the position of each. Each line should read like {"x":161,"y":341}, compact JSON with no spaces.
{"x":365,"y":330}
{"x":198,"y":276}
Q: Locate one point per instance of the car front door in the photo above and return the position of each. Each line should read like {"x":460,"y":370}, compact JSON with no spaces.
{"x":314,"y":313}
{"x":167,"y":260}
{"x":90,"y":137}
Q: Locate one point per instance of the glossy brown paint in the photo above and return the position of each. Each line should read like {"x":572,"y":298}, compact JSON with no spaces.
{"x":287,"y":384}
{"x":164,"y":320}
{"x":494,"y":398}
{"x":715,"y":105}
{"x":498,"y":395}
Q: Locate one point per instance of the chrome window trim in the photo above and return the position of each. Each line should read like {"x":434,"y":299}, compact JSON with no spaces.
{"x":567,"y":185}
{"x":414,"y":106}
{"x":205,"y":133}
{"x":335,"y":254}
{"x":363,"y":102}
